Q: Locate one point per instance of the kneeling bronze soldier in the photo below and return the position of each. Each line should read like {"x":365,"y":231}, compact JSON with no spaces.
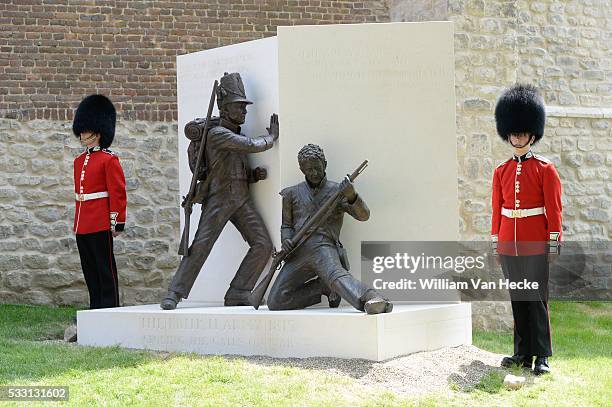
{"x":319,"y":265}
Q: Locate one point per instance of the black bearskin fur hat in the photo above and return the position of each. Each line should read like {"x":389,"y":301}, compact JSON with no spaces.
{"x":97,"y":114}
{"x":520,"y":109}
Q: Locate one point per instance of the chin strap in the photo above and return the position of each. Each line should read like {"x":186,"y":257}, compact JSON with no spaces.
{"x":523,"y":146}
{"x":88,"y":140}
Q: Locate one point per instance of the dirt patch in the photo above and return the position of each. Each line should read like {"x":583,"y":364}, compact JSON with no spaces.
{"x":416,"y":374}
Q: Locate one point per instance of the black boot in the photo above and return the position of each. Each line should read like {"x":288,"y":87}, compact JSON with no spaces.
{"x":170,"y":301}
{"x":517,"y":360}
{"x":541,"y":365}
{"x":528,"y":362}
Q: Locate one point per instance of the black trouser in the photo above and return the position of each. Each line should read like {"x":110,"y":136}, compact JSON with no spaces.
{"x":99,"y":268}
{"x":530,"y":310}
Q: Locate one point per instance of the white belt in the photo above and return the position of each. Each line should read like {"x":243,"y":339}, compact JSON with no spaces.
{"x":89,"y":197}
{"x":521,"y":213}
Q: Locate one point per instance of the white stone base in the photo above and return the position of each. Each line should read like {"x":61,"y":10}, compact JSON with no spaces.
{"x":341,"y":332}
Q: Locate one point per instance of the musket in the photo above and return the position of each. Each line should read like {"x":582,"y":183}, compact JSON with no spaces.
{"x":300,"y":237}
{"x":188,"y":199}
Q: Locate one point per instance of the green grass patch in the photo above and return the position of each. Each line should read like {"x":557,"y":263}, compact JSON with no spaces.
{"x":23,"y":322}
{"x":31,"y":355}
{"x":491,"y":383}
{"x":582,"y":369}
{"x":582,"y":361}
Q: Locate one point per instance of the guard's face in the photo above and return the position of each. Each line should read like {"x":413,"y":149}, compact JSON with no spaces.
{"x":520,"y":140}
{"x":89,"y":139}
{"x":314,"y":170}
{"x":236,"y":112}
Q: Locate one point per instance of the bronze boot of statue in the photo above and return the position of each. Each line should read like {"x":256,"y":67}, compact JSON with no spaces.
{"x":333,"y":298}
{"x":378,"y":305}
{"x":170,"y":301}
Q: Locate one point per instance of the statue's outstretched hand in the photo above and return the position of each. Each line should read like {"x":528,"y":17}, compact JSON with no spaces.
{"x":273,"y":130}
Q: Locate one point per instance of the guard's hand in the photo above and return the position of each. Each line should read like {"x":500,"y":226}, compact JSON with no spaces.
{"x":553,"y":252}
{"x":273,"y":130}
{"x":116,"y":234}
{"x":348,"y":190}
{"x":494,"y":250}
{"x":260,"y":173}
{"x":497,"y":258}
{"x":287,"y":245}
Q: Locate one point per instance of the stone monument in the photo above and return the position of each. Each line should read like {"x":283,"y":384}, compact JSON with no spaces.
{"x":382,"y":92}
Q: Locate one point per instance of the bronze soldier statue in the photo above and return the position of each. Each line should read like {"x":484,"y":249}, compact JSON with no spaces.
{"x":319,"y":266}
{"x":227,"y":199}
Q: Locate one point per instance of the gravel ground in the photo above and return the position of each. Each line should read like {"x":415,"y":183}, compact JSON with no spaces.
{"x":412,"y":375}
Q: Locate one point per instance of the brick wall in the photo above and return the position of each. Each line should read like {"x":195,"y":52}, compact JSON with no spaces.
{"x":53,"y":54}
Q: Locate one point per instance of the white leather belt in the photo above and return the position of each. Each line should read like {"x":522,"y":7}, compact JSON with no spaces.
{"x":89,"y":197}
{"x":521,"y":213}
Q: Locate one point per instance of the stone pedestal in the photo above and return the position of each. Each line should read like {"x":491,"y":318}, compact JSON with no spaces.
{"x":341,"y":332}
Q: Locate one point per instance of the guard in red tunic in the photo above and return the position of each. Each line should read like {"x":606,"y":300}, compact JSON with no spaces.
{"x":99,"y":186}
{"x":526,"y":221}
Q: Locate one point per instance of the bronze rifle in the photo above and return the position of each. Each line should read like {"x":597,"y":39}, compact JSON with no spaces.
{"x":188,"y":200}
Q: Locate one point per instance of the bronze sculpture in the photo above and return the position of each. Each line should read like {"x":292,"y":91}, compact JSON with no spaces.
{"x":226,"y":198}
{"x":319,"y":265}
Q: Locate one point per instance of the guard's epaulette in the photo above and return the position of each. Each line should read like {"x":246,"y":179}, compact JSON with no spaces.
{"x":503,"y":162}
{"x":542,"y":158}
{"x":107,"y":151}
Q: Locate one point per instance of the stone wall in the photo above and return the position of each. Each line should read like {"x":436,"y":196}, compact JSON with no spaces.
{"x":52,"y":54}
{"x":564,"y":49}
{"x":39,"y":262}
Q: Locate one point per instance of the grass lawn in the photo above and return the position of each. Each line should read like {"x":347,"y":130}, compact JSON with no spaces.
{"x":582,"y":369}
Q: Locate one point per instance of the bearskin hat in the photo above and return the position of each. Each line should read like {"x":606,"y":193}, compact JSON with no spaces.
{"x":520,"y":109}
{"x":97,"y":114}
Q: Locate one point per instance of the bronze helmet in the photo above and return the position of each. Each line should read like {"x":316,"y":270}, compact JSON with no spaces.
{"x":230,"y":90}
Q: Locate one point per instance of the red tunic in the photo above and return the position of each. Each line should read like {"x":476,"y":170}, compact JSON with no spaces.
{"x":98,"y":171}
{"x":526,"y":182}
